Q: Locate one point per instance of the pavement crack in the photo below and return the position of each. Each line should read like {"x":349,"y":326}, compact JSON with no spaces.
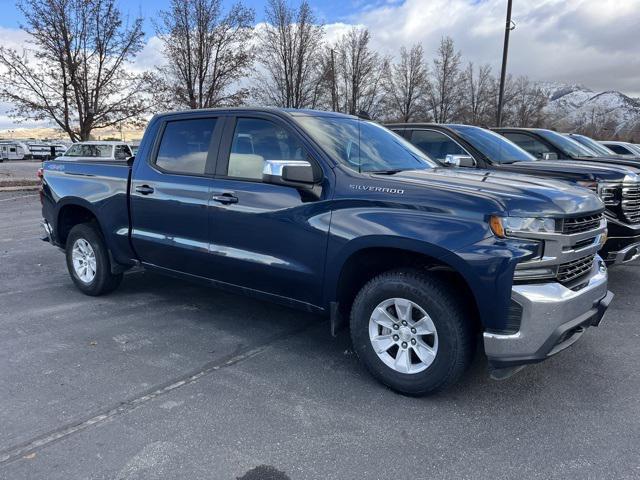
{"x":16,"y":452}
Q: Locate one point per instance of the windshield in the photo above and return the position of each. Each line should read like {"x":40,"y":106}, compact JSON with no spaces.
{"x":492,"y":145}
{"x":568,"y":146}
{"x":635,"y":148}
{"x":364,"y":146}
{"x":89,"y":150}
{"x":591,"y":144}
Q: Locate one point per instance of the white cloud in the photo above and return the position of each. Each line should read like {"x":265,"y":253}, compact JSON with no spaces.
{"x":593,"y":42}
{"x":150,"y":56}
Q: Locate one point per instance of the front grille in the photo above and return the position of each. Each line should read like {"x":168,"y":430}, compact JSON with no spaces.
{"x":581,"y":224}
{"x":585,"y":243}
{"x":568,"y":272}
{"x":631,"y":203}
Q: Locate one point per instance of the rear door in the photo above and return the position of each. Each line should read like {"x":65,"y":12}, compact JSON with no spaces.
{"x":267,"y":237}
{"x":170,"y":192}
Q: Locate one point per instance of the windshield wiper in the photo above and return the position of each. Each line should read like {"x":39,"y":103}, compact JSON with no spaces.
{"x":387,"y":172}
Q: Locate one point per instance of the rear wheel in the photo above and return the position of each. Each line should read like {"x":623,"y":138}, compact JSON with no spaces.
{"x":410,"y":332}
{"x":88,"y":261}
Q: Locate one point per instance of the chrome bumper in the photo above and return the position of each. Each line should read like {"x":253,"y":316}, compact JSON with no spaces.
{"x":553,"y":318}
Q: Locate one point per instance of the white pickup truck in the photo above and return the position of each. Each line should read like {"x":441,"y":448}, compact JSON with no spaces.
{"x":96,"y":150}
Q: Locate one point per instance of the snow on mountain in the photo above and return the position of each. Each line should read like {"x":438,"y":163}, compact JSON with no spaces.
{"x":577,"y":103}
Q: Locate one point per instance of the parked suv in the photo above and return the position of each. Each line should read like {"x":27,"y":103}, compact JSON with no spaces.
{"x":336,"y":215}
{"x":469,"y":146}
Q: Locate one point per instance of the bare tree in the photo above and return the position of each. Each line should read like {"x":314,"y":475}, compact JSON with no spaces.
{"x":527,"y":105}
{"x":509,"y":95}
{"x":476,"y":101}
{"x":289,"y":51}
{"x":359,"y":73}
{"x":405,"y":85}
{"x":74,"y":71}
{"x":445,"y":92}
{"x":208,"y":52}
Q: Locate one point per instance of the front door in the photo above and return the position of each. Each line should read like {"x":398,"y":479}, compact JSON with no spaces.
{"x":267,"y":237}
{"x":170,"y":194}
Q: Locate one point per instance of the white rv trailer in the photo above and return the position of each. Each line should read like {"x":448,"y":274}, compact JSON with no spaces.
{"x":14,"y":150}
{"x":30,"y":149}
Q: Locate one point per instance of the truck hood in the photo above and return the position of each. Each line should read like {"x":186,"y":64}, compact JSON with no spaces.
{"x":516,"y":194}
{"x":574,"y":170}
{"x":633,"y":164}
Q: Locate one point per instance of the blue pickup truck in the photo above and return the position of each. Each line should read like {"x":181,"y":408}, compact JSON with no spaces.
{"x":337,"y":215}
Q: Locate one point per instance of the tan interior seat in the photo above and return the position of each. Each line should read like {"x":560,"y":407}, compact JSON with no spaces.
{"x":246,"y":165}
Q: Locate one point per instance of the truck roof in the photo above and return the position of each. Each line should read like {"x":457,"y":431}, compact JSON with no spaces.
{"x":101,"y":142}
{"x":293,"y":112}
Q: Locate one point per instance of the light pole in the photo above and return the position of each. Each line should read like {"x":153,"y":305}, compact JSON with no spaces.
{"x":505,"y":51}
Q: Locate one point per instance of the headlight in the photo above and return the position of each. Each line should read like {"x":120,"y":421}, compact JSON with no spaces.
{"x":503,"y":226}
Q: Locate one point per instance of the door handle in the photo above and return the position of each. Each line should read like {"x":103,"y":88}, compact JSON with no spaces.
{"x":144,"y":189}
{"x":225,"y":198}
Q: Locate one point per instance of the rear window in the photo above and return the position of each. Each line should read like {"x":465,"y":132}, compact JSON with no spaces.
{"x":89,"y":150}
{"x":185,"y":145}
{"x":619,"y":149}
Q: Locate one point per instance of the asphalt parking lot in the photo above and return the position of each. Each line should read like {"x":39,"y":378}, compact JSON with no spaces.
{"x":21,"y":172}
{"x":166,"y":379}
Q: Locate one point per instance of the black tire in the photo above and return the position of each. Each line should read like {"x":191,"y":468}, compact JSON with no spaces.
{"x":104,"y":281}
{"x":454,"y":332}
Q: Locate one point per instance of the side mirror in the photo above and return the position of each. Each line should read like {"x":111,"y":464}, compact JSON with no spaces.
{"x":289,"y":172}
{"x":550,"y":156}
{"x":459,"y":161}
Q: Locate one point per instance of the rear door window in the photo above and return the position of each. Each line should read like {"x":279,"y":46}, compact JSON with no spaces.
{"x":184,"y":146}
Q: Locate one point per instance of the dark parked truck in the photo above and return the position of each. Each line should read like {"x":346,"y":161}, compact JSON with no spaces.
{"x":475,"y":147}
{"x":337,"y":215}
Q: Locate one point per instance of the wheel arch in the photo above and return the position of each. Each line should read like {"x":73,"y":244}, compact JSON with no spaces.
{"x":365,"y":260}
{"x":71,"y":212}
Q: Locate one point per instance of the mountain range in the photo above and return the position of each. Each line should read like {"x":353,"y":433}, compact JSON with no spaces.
{"x":572,"y":104}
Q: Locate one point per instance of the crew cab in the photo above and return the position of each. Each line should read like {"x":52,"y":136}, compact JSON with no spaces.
{"x":469,"y":146}
{"x":337,"y":215}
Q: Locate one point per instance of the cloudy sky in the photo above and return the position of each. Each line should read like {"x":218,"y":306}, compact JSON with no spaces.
{"x":591,"y":42}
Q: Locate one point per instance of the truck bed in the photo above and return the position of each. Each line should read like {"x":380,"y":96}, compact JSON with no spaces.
{"x":99,"y":186}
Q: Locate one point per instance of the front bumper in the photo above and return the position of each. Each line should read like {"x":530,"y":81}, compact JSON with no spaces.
{"x":553,"y":318}
{"x":623,"y":242}
{"x":620,"y":250}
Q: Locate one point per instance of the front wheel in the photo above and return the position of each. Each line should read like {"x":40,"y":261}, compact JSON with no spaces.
{"x":88,"y":261}
{"x":410,"y":332}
